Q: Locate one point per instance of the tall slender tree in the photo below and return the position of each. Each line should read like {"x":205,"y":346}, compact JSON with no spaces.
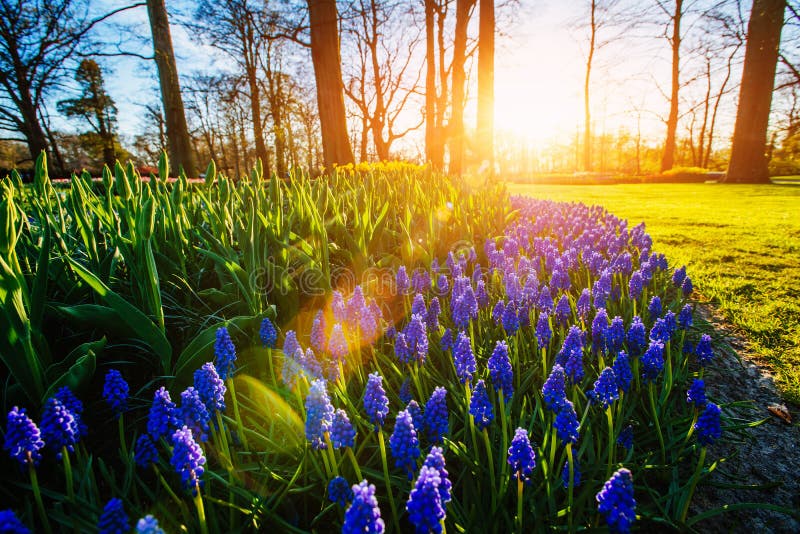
{"x":486,"y":31}
{"x":456,"y":124}
{"x":674,"y":38}
{"x":325,"y":54}
{"x":748,"y":153}
{"x":181,"y":152}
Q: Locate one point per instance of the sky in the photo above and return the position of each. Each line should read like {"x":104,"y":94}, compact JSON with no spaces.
{"x":540,"y":63}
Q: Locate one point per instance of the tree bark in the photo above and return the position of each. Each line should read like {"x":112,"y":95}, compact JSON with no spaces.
{"x":748,"y":153}
{"x":587,"y":117}
{"x":179,"y":143}
{"x":486,"y":29}
{"x":668,"y":159}
{"x":326,"y":57}
{"x":456,"y":125}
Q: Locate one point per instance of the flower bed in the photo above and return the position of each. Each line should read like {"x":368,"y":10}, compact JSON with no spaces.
{"x":547,"y":378}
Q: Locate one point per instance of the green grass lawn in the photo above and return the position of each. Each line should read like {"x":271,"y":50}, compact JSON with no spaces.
{"x":742,"y":247}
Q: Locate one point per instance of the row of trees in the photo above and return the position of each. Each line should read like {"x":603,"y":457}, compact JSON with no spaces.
{"x":408,"y":64}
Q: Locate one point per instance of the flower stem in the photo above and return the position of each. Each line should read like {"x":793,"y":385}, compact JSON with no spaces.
{"x":519,"y":503}
{"x":657,"y":424}
{"x":201,"y":512}
{"x":239,"y":424}
{"x":37,"y":495}
{"x":490,"y":459}
{"x":571,"y":485}
{"x":610,"y":442}
{"x":693,"y":483}
{"x":68,"y":474}
{"x":355,"y":463}
{"x":382,"y":445}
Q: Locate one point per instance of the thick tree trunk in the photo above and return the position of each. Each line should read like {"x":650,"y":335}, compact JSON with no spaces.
{"x":325,"y":55}
{"x":180,"y":146}
{"x":486,"y":29}
{"x":668,"y":160}
{"x":456,"y":126}
{"x":32,"y":129}
{"x":748,"y":159}
{"x":255,"y":115}
{"x":587,"y":116}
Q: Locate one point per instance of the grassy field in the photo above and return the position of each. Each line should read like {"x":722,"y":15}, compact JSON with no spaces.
{"x":742,"y":246}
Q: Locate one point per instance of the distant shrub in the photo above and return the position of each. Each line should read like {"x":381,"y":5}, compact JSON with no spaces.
{"x":782,"y":167}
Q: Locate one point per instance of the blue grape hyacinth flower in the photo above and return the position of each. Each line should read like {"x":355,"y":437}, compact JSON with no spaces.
{"x":500,"y":371}
{"x":616,"y":502}
{"x":567,"y":424}
{"x":23,"y":440}
{"x":194,"y":414}
{"x":606,"y":390}
{"x":363,"y":516}
{"x":554,"y":389}
{"x":652,"y":362}
{"x":339,"y":491}
{"x":59,"y":428}
{"x":436,"y":416}
{"x":622,"y":371}
{"x":404,"y":443}
{"x":148,"y":525}
{"x":74,"y":405}
{"x":342,"y":432}
{"x":188,"y":459}
{"x":144,"y":452}
{"x":268,"y":334}
{"x":425,"y":509}
{"x":163,"y":415}
{"x":543,"y":331}
{"x":636,"y":337}
{"x":435,"y":460}
{"x":464,"y":358}
{"x":210,"y":387}
{"x":704,"y":351}
{"x":708,"y":425}
{"x":625,"y":437}
{"x":115,"y":392}
{"x":114,"y":520}
{"x":376,"y":403}
{"x":224,"y":353}
{"x":319,"y":414}
{"x":521,"y":456}
{"x":11,"y":524}
{"x":480,"y":407}
{"x":576,"y":474}
{"x":697,"y":393}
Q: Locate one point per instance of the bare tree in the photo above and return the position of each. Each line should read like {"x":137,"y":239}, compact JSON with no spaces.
{"x":748,"y":160}
{"x":673,"y":36}
{"x":385,"y":78}
{"x":456,"y":126}
{"x":38,"y":40}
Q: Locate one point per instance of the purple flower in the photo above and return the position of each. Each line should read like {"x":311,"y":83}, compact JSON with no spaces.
{"x":553,"y":390}
{"x":654,"y":308}
{"x":606,"y":390}
{"x":447,"y":340}
{"x":225,"y":353}
{"x":418,"y":306}
{"x":697,"y":393}
{"x":625,"y":437}
{"x":337,"y":344}
{"x":268,"y":333}
{"x":115,"y":392}
{"x":415,"y":412}
{"x":405,"y":391}
{"x":194,"y":414}
{"x":376,"y":404}
{"x":708,"y":425}
{"x":434,"y":310}
{"x":318,"y":332}
{"x":584,"y":304}
{"x":425,"y":509}
{"x":363,"y":516}
{"x":339,"y":491}
{"x":210,"y":387}
{"x":436,"y":416}
{"x":188,"y":459}
{"x":704,"y":351}
{"x":566,"y":423}
{"x":615,"y":501}
{"x":442,"y":284}
{"x":563,"y":311}
{"x":599,"y":328}
{"x":545,"y":301}
{"x":74,"y":405}
{"x":403,"y":283}
{"x":636,"y":337}
{"x":404,"y":443}
{"x":342,"y":432}
{"x":622,"y":371}
{"x":144,"y":452}
{"x":652,"y":362}
{"x":464,"y":358}
{"x":615,"y":336}
{"x":685,"y":317}
{"x":113,"y":520}
{"x":576,"y":474}
{"x":635,"y":285}
{"x":679,"y":276}
{"x":686,"y":287}
{"x":59,"y":428}
{"x":23,"y":441}
{"x":10,"y":523}
{"x":498,"y":311}
{"x":319,"y":414}
{"x":660,"y":331}
{"x":480,"y":407}
{"x":416,"y":335}
{"x":163,"y":415}
{"x":500,"y":370}
{"x":521,"y":456}
{"x":290,"y":344}
{"x":543,"y":331}
{"x":435,"y":460}
{"x":401,"y":348}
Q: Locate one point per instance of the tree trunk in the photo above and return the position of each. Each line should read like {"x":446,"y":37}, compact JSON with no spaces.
{"x":433,"y":138}
{"x":668,"y":160}
{"x":456,"y":126}
{"x":486,"y":29}
{"x":748,"y":159}
{"x":180,"y":146}
{"x":325,"y":55}
{"x":587,"y":117}
{"x":255,"y":114}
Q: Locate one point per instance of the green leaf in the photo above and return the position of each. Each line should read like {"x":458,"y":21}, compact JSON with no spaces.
{"x":78,"y":375}
{"x":144,"y":328}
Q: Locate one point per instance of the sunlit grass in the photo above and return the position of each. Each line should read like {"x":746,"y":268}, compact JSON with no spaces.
{"x":742,"y":244}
